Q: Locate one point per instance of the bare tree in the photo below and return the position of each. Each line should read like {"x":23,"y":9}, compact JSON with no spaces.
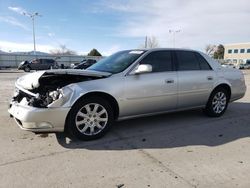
{"x":210,"y":49}
{"x":150,"y":42}
{"x":63,"y":50}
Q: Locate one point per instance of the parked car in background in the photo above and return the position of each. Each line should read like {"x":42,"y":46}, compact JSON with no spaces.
{"x":38,"y":64}
{"x":85,"y":64}
{"x":246,"y":65}
{"x":228,"y":65}
{"x":127,"y":84}
{"x":84,"y":61}
{"x":240,"y":66}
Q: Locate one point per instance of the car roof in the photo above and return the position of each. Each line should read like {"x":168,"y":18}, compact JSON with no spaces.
{"x":159,"y":49}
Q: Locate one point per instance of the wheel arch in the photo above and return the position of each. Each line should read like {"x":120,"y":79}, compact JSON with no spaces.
{"x":224,"y":86}
{"x":112,"y":101}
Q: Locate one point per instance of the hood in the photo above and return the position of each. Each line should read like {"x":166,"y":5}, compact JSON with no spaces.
{"x":79,"y":72}
{"x":31,"y":81}
{"x":23,"y":63}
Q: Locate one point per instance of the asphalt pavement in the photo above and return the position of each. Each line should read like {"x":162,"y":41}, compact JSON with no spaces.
{"x":184,"y":149}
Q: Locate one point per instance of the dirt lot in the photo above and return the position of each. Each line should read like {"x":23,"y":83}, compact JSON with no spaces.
{"x":185,"y":149}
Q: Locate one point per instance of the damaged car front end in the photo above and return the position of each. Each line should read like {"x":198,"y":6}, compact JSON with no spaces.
{"x":43,"y":99}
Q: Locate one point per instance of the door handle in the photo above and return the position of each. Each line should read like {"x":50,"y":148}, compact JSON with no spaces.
{"x":169,"y":81}
{"x":210,"y":78}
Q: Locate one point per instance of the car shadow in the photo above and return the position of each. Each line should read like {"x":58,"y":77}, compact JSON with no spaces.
{"x":171,"y":130}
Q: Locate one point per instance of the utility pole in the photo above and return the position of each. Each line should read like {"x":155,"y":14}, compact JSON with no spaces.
{"x":146,"y":41}
{"x":174,"y":32}
{"x":32,"y":16}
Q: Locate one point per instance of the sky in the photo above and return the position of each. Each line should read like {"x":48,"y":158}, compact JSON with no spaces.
{"x":113,"y":25}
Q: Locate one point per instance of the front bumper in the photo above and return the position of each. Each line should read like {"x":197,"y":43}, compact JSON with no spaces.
{"x":39,"y":119}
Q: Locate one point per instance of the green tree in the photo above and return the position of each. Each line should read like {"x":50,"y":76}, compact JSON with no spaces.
{"x":219,"y":53}
{"x":94,"y":52}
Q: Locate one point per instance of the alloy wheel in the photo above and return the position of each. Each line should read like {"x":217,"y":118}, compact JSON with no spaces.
{"x":219,"y":102}
{"x":91,"y":119}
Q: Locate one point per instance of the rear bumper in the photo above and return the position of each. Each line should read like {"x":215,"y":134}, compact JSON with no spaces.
{"x":39,"y":119}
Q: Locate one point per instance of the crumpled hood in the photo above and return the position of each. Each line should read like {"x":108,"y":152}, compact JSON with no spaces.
{"x":31,"y":80}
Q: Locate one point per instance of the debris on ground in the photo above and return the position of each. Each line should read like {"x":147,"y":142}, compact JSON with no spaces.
{"x":43,"y":135}
{"x":120,"y":185}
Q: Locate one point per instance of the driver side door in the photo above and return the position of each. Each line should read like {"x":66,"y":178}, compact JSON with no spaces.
{"x":155,"y":91}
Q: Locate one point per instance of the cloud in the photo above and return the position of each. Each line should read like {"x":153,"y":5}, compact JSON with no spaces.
{"x":17,"y":47}
{"x":111,"y":50}
{"x":18,"y":10}
{"x":51,"y":34}
{"x":200,"y":22}
{"x":13,"y":21}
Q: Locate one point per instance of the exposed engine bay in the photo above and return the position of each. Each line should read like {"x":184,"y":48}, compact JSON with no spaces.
{"x":48,"y":88}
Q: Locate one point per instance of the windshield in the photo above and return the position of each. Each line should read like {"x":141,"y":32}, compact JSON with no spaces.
{"x":117,"y":62}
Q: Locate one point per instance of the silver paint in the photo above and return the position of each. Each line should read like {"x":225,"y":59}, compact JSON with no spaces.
{"x":140,"y":94}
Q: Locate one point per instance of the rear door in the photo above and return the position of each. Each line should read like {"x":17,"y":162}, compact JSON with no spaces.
{"x":35,"y":64}
{"x":195,"y":79}
{"x":155,"y":91}
{"x":46,"y":63}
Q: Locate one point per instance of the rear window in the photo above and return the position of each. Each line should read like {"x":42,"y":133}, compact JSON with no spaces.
{"x":188,"y":60}
{"x":203,"y":62}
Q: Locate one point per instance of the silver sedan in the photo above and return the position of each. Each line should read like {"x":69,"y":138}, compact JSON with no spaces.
{"x":127,"y":84}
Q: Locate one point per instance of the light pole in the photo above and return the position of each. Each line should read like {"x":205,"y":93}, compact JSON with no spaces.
{"x":174,"y":32}
{"x":32,"y":16}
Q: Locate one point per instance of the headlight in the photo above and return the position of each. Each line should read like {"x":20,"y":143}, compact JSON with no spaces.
{"x":60,"y":97}
{"x":16,"y":92}
{"x":55,"y":94}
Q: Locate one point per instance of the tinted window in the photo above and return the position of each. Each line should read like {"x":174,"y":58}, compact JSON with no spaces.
{"x":203,"y":62}
{"x":236,"y":51}
{"x":187,"y":61}
{"x":248,"y":50}
{"x":160,"y":61}
{"x":48,"y":61}
{"x":44,"y":61}
{"x":242,"y":50}
{"x":229,"y":51}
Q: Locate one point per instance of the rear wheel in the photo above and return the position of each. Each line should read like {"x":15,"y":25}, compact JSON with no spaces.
{"x":90,"y":118}
{"x":217,"y":103}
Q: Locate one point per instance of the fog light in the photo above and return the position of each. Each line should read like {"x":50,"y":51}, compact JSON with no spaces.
{"x":33,"y":125}
{"x":44,"y":125}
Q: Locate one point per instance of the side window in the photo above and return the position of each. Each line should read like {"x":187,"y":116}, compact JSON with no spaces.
{"x":187,"y":61}
{"x":160,"y":61}
{"x":50,"y":61}
{"x":46,"y":61}
{"x":203,"y":62}
{"x":43,"y":61}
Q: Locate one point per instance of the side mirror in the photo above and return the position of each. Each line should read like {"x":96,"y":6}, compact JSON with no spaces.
{"x":143,"y":69}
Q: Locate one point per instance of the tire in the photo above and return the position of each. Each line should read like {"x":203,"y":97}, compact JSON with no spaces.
{"x":217,"y":103}
{"x":27,"y":69}
{"x":84,"y":122}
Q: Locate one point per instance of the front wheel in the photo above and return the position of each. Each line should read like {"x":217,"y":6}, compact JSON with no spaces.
{"x":217,"y":103}
{"x":27,"y":69}
{"x":90,"y":118}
